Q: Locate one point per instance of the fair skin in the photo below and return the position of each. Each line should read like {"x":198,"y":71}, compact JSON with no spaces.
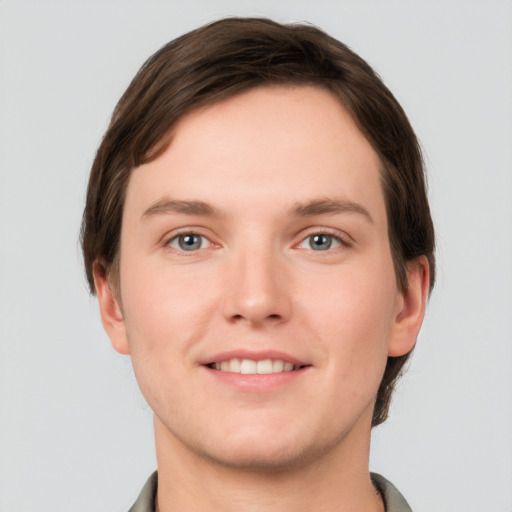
{"x":260,"y":236}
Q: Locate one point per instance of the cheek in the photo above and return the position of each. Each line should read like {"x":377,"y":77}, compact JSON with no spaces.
{"x":167,"y":314}
{"x":165,"y":310}
{"x":352,"y":314}
{"x":354,"y":299}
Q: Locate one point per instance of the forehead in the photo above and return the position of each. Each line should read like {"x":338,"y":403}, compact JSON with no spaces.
{"x":297,"y":140}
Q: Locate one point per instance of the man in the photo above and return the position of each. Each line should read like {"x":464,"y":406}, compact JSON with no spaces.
{"x":259,"y":238}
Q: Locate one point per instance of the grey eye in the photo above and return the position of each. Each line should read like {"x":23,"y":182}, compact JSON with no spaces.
{"x":189,"y":242}
{"x":320,"y":242}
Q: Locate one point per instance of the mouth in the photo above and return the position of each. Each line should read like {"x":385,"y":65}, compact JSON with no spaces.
{"x":255,"y":367}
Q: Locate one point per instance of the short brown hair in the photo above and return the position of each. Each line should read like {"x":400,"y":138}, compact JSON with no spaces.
{"x":225,"y":58}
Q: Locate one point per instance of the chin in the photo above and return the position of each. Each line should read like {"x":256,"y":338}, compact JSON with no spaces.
{"x":259,"y":461}
{"x":261,"y":443}
{"x":267,"y":454}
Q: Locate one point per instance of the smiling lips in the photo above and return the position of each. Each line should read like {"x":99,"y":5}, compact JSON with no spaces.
{"x":254,"y":367}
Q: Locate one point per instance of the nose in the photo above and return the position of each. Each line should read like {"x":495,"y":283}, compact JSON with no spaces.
{"x":259,"y":289}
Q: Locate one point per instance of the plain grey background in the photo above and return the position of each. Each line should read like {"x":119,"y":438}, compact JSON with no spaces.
{"x":75,"y":434}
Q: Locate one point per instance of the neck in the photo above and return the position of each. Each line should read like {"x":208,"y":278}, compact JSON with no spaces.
{"x":337,"y":480}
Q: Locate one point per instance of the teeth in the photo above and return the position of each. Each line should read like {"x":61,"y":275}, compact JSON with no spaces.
{"x":264,"y":366}
{"x":251,"y":367}
{"x":234,"y":365}
{"x":247,"y":366}
{"x":278,"y":365}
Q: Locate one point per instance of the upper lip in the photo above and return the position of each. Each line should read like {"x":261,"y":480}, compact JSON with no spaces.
{"x":259,"y":355}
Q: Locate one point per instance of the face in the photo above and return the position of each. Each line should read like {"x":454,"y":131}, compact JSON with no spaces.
{"x":258,"y":299}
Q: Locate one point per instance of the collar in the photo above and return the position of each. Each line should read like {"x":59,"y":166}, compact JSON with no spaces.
{"x":393,"y":500}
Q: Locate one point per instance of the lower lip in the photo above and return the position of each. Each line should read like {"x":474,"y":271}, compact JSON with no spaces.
{"x":256,"y":383}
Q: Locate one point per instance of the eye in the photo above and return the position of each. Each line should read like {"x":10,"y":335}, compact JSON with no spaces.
{"x":189,"y":242}
{"x":320,"y":242}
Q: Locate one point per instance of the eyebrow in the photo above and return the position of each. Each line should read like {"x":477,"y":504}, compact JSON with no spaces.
{"x":329,"y":206}
{"x":167,"y":206}
{"x":309,"y":209}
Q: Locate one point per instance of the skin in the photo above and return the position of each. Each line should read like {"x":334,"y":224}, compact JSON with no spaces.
{"x":256,"y":284}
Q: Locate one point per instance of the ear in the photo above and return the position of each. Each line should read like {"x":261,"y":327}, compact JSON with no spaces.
{"x":410,"y":308}
{"x":110,"y":310}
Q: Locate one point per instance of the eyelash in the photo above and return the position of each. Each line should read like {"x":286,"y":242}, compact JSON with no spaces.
{"x":340,"y":241}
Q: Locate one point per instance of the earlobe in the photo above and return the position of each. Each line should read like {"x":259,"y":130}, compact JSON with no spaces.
{"x":110,"y":310}
{"x":411,"y":309}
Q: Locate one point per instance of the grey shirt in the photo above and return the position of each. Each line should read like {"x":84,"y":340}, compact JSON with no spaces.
{"x":393,"y":500}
